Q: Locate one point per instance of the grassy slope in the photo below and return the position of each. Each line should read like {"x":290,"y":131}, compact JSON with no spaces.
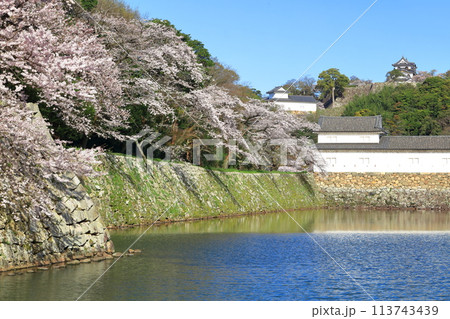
{"x":129,"y":194}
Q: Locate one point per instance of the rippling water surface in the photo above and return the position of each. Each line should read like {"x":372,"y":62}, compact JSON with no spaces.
{"x":394,"y":255}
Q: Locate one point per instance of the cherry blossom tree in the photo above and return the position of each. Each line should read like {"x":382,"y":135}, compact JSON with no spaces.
{"x":156,"y":66}
{"x":276,"y":130}
{"x":47,"y":58}
{"x":423,"y":75}
{"x":161,"y":72}
{"x":58,"y":62}
{"x":88,"y":70}
{"x":260,"y":133}
{"x":29,"y":158}
{"x":216,"y":112}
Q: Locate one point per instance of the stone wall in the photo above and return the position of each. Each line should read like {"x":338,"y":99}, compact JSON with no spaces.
{"x":130,"y":193}
{"x":351,"y":92}
{"x":74,"y":230}
{"x":391,"y":180}
{"x":396,"y":190}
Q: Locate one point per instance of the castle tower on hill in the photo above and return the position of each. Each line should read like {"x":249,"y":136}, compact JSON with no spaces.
{"x":407,"y":68}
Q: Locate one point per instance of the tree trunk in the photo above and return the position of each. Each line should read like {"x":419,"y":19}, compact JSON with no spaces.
{"x":84,"y":141}
{"x":225,"y":161}
{"x":332,"y":97}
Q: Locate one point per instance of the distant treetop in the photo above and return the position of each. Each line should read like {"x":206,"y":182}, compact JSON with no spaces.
{"x":203,"y":55}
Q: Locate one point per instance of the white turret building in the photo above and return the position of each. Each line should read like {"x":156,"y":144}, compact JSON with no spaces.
{"x":359,"y":144}
{"x":292,"y":103}
{"x":408,"y":69}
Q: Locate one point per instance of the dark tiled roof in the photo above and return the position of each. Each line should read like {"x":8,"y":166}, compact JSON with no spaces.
{"x":351,"y":123}
{"x":395,"y":143}
{"x":399,"y":62}
{"x":296,"y":98}
{"x":302,"y":98}
{"x":274,"y":89}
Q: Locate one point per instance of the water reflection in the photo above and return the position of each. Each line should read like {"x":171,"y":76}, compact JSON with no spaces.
{"x":315,"y":221}
{"x":395,"y":255}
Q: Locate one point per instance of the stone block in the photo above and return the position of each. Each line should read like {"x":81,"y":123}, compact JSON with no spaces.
{"x":68,"y":218}
{"x":85,"y":227}
{"x":79,"y":216}
{"x":96,"y":228}
{"x":70,"y":204}
{"x":85,"y":204}
{"x":80,"y":240}
{"x":59,"y":229}
{"x":92,"y":214}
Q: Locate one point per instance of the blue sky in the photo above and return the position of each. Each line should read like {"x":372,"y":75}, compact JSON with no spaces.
{"x":269,"y":42}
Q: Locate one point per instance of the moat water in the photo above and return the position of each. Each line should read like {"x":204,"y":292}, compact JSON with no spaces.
{"x":384,"y":255}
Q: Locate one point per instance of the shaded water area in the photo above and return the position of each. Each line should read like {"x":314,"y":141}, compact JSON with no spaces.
{"x":393,"y":255}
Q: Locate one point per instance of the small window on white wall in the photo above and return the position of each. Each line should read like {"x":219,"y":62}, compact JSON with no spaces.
{"x":364,"y":160}
{"x":414,"y":161}
{"x":446,"y":161}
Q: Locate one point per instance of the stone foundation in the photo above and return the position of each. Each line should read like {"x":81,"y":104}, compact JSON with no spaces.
{"x":390,"y":180}
{"x":394,"y":190}
{"x":74,"y":230}
{"x":131,"y":193}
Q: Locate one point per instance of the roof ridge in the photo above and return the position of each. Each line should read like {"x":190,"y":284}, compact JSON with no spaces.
{"x":396,"y":136}
{"x":343,"y":117}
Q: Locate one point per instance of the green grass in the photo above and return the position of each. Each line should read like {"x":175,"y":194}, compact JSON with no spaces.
{"x":235,"y":170}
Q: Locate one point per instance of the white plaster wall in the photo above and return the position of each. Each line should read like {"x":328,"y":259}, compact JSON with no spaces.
{"x":298,"y":106}
{"x":348,"y":138}
{"x":387,"y":162}
{"x":279,"y":95}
